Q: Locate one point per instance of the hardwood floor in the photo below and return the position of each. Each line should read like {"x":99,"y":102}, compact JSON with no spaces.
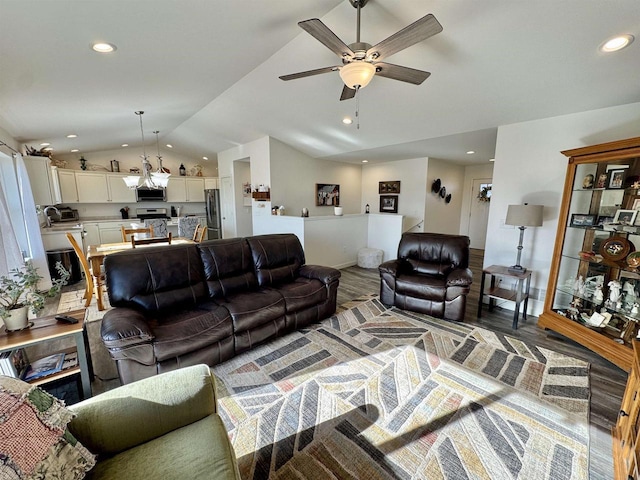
{"x":607,"y":380}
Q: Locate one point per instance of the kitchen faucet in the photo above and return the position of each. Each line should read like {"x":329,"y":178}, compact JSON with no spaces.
{"x":46,"y":215}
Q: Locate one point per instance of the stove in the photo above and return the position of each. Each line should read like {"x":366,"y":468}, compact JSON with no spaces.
{"x":149,"y":213}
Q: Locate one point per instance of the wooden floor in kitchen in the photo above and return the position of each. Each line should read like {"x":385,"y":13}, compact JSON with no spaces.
{"x":607,"y":380}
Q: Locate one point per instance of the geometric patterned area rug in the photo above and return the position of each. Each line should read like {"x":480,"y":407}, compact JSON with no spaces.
{"x":378,"y":393}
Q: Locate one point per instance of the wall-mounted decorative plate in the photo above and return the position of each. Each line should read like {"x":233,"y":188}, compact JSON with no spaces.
{"x":443,"y":192}
{"x":435,"y":187}
{"x":447,"y":199}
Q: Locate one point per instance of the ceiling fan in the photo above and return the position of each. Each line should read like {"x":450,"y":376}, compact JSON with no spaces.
{"x":361,"y":61}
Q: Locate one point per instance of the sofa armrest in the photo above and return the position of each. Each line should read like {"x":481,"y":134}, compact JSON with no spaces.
{"x":125,"y":327}
{"x":326,"y":275}
{"x":390,"y":267}
{"x":460,"y":277}
{"x":138,"y":412}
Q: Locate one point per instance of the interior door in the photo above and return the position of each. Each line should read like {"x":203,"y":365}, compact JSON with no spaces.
{"x":478,"y":214}
{"x":226,"y":205}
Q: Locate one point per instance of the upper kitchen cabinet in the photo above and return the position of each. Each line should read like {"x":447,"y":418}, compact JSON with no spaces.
{"x":185,"y":189}
{"x":68,"y":186}
{"x":210,"y":183}
{"x":44,"y":180}
{"x":195,"y":189}
{"x":92,"y":187}
{"x":118,"y":190}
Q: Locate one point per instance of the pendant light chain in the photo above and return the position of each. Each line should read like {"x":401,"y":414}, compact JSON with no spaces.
{"x":357,"y":108}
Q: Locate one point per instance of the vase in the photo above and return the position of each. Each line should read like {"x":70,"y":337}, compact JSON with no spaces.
{"x":17,"y":319}
{"x":337,"y":211}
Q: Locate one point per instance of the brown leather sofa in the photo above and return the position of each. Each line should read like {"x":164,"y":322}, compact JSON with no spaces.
{"x":431,"y":275}
{"x":182,"y":305}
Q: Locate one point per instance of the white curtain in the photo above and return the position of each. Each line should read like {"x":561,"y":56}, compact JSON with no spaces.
{"x":10,"y":256}
{"x":31,"y":223}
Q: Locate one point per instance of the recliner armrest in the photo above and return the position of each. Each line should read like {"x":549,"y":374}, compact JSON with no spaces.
{"x":125,"y":327}
{"x":326,"y":275}
{"x":460,"y":277}
{"x":390,"y":267}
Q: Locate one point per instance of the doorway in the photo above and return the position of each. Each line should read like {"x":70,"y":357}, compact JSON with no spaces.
{"x":479,"y":211}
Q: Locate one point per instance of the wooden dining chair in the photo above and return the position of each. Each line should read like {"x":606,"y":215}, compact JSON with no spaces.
{"x":133,"y":231}
{"x":147,"y":241}
{"x":88,"y":274}
{"x":199,"y":233}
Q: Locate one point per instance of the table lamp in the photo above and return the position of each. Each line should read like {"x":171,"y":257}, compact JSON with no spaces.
{"x":523,"y":216}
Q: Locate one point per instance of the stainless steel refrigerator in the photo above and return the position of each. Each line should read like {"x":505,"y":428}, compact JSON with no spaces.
{"x":214,"y":216}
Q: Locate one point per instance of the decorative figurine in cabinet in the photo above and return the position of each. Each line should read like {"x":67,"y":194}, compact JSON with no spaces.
{"x":593,"y":293}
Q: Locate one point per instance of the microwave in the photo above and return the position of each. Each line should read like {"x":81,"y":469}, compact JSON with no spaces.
{"x":146,"y":194}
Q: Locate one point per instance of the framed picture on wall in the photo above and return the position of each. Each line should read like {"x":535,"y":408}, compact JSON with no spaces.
{"x":327,"y":195}
{"x":388,"y":204}
{"x":389,"y":187}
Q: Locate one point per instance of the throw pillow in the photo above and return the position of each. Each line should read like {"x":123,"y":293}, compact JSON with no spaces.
{"x":34,"y":440}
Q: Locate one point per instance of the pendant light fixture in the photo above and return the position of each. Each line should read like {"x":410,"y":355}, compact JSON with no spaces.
{"x":158,"y":179}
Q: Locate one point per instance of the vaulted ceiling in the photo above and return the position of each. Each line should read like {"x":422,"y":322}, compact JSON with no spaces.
{"x":206,"y":73}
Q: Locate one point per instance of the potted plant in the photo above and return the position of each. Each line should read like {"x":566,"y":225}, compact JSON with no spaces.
{"x":19,"y":293}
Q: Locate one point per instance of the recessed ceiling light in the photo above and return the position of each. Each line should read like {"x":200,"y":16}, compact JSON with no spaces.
{"x":75,"y":150}
{"x":471,"y":152}
{"x":365,"y":161}
{"x":205,"y":158}
{"x":72,"y":135}
{"x":616,"y":43}
{"x":124,"y":145}
{"x":347,"y":121}
{"x":169,"y":145}
{"x":492,"y":159}
{"x":102,"y":47}
{"x":45,"y":144}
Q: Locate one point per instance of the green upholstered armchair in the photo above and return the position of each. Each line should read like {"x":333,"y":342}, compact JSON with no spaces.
{"x":164,"y":426}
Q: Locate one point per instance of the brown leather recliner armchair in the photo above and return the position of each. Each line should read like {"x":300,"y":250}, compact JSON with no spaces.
{"x":431,"y":275}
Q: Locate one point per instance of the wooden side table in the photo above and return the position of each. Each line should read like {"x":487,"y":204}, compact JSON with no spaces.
{"x":521,"y":293}
{"x":48,"y":328}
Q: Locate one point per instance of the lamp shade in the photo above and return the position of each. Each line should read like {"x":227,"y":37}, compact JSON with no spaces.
{"x":357,"y":74}
{"x":524,"y":215}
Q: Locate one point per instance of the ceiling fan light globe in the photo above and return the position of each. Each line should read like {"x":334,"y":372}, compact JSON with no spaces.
{"x":357,"y":74}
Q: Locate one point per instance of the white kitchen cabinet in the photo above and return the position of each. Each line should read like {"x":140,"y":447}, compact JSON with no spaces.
{"x":111,"y":232}
{"x":92,"y":187}
{"x":43,"y":180}
{"x":91,"y":234}
{"x":176,"y":190}
{"x":118,"y":190}
{"x":195,"y":189}
{"x":210,"y":182}
{"x":68,"y":188}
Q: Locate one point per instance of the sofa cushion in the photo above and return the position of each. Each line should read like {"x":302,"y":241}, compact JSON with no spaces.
{"x":302,"y":293}
{"x":427,"y":287}
{"x":251,"y":309}
{"x":181,"y":332}
{"x":155,"y":278}
{"x":277,"y":258}
{"x":228,"y":267}
{"x":434,"y":253}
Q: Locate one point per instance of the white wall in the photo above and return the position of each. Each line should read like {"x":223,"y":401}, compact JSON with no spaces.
{"x":411,"y":200}
{"x":241,"y":175}
{"x":439,"y":216}
{"x":471,"y":172}
{"x":294,"y":176}
{"x":530,"y":168}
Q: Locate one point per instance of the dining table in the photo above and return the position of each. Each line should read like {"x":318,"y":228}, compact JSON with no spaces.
{"x":97,"y":253}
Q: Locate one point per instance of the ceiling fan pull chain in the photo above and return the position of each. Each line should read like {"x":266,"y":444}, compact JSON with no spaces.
{"x":357,"y":108}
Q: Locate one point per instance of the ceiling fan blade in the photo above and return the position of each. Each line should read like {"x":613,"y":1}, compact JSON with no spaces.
{"x":418,"y":31}
{"x":321,"y":32}
{"x":347,"y":93}
{"x":404,"y":74}
{"x":308,"y":73}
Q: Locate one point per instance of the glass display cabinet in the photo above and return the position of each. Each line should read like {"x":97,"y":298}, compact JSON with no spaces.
{"x":593,"y":296}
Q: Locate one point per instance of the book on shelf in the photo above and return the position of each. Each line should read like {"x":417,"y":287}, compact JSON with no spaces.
{"x":44,"y":367}
{"x":13,"y":363}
